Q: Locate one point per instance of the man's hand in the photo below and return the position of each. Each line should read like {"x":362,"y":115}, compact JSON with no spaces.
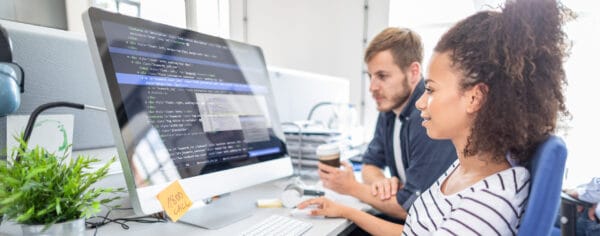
{"x":340,"y":180}
{"x":591,"y":211}
{"x":386,"y":188}
{"x":572,"y":192}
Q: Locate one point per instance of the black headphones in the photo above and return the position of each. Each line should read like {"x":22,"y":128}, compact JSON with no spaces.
{"x":12,"y":77}
{"x":293,"y":194}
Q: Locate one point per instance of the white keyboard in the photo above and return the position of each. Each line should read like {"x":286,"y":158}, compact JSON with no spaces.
{"x":277,"y":225}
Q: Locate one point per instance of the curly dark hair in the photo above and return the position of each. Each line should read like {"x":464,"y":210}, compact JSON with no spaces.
{"x":518,"y":54}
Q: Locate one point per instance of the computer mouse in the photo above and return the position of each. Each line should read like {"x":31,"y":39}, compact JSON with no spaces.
{"x":300,"y":212}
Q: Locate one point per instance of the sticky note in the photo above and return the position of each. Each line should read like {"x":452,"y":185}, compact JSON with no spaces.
{"x":174,"y":201}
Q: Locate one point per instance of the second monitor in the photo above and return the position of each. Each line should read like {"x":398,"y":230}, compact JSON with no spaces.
{"x":185,"y":106}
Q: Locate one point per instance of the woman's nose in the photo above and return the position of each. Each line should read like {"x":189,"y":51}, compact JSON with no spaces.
{"x":421,"y":104}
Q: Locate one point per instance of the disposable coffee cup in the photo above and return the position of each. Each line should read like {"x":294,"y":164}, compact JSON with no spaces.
{"x":329,"y":154}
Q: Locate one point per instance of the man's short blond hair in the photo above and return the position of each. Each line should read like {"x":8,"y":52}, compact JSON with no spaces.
{"x":405,"y":45}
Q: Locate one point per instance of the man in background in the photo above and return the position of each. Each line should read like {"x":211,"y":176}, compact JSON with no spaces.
{"x":587,"y":222}
{"x":400,"y":143}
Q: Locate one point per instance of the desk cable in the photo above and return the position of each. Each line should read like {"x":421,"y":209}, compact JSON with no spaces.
{"x":91,"y":223}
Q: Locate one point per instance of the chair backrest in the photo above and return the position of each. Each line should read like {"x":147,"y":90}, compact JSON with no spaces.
{"x":546,"y":169}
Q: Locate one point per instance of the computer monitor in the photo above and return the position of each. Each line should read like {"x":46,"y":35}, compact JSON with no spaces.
{"x":185,"y":106}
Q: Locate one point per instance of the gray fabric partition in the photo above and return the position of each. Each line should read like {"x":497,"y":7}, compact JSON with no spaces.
{"x":58,"y":67}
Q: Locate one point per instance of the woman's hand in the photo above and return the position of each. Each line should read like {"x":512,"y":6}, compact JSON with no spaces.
{"x":324,"y":207}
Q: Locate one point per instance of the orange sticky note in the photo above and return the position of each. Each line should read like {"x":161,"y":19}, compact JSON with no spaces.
{"x":174,"y":200}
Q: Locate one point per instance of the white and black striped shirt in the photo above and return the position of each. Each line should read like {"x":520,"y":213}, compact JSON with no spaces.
{"x":492,"y":206}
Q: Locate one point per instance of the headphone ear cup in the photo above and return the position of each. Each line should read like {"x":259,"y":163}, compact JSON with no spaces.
{"x":11,"y":75}
{"x":10,"y":94}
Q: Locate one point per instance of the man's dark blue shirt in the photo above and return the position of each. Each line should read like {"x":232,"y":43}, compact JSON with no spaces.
{"x":424,"y":159}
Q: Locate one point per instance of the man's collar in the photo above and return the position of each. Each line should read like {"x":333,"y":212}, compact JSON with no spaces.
{"x":410,"y":106}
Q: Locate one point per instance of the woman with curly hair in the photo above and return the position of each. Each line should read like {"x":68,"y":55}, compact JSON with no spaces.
{"x":495,"y":89}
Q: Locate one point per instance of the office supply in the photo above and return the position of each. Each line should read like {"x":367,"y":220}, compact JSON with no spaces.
{"x":190,"y":107}
{"x":278,"y":225}
{"x":268,"y":203}
{"x":174,"y":200}
{"x":546,"y":169}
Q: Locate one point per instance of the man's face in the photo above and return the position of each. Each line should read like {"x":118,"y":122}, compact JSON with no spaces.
{"x":388,"y":83}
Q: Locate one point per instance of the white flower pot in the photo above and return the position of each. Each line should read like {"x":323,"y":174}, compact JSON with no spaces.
{"x":69,"y":228}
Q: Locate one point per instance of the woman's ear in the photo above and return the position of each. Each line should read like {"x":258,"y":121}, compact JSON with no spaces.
{"x":475,"y":97}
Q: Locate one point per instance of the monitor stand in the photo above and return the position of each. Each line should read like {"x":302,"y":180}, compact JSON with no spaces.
{"x":219,"y":213}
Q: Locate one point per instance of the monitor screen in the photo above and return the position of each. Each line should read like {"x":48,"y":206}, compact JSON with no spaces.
{"x":185,"y":106}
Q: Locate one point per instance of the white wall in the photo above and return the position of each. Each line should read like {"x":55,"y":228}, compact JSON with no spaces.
{"x":581,"y":94}
{"x":74,"y":10}
{"x":49,"y":13}
{"x":296,"y":92}
{"x":324,"y":37}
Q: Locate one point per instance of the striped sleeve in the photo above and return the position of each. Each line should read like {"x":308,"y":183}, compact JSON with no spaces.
{"x":493,"y":211}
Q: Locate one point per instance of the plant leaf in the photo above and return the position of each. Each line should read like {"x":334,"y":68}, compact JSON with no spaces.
{"x":25,"y":217}
{"x":58,"y":210}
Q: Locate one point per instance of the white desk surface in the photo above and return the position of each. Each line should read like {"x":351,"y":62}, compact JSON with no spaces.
{"x":320,"y":226}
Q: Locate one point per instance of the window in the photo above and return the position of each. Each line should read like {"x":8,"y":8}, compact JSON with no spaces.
{"x":167,"y":12}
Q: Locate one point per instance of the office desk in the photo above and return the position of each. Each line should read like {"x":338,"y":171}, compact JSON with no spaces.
{"x":273,"y":189}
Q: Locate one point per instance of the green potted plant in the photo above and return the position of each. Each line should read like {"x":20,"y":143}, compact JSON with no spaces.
{"x":50,"y":193}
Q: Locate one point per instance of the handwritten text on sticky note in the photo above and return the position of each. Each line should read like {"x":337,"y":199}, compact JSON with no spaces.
{"x":174,"y":200}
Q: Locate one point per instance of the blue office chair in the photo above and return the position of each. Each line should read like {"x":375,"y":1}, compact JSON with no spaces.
{"x":546,"y":168}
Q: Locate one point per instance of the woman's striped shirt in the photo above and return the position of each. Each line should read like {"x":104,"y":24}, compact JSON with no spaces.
{"x":492,"y":206}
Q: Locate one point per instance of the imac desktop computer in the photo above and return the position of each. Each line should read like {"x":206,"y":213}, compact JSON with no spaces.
{"x":186,"y":106}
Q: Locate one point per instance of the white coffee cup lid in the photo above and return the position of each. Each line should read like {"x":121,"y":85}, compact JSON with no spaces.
{"x":328,"y":149}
